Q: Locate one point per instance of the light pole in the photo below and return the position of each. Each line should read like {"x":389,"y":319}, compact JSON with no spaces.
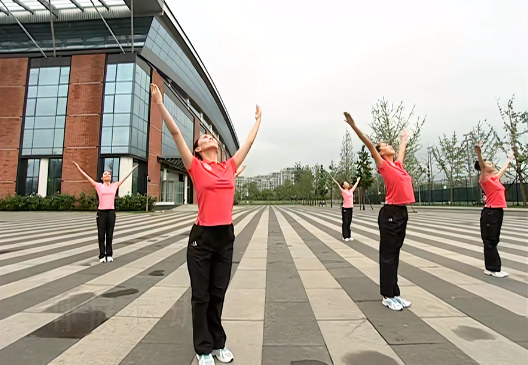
{"x":331,"y":168}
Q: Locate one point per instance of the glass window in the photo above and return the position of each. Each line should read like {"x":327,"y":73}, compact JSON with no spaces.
{"x":112,"y":164}
{"x":32,"y":176}
{"x":185,"y":124}
{"x":54,"y":176}
{"x":46,"y":106}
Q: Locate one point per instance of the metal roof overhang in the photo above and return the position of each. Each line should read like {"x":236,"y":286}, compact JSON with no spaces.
{"x":175,"y":163}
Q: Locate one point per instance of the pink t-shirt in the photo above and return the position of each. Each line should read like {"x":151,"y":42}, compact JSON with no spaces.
{"x":215,"y":189}
{"x":495,"y":192}
{"x":348,"y":198}
{"x":398,"y":183}
{"x":106,"y":195}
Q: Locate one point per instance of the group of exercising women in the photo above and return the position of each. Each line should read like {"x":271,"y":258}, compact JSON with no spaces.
{"x":211,"y":239}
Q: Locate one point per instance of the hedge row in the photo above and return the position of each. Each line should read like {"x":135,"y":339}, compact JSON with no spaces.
{"x":69,"y":202}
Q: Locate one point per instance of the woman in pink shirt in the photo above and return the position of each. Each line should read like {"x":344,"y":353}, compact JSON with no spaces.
{"x":492,"y":215}
{"x":210,"y":248}
{"x":106,"y":216}
{"x":347,"y":193}
{"x":393,"y":217}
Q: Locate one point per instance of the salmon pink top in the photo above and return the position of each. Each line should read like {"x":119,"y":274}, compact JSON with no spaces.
{"x":398,"y":183}
{"x":214,"y":184}
{"x":348,"y":198}
{"x":106,"y":194}
{"x":494,"y":191}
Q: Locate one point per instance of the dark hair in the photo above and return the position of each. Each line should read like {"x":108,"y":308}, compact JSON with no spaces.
{"x":195,"y":146}
{"x":109,"y":171}
{"x":477,"y":166}
{"x":378,"y":146}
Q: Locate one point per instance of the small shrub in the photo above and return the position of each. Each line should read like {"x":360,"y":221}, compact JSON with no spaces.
{"x":66,"y":202}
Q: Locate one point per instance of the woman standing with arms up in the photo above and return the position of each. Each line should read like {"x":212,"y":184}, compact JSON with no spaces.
{"x":106,"y":216}
{"x":347,"y":193}
{"x":393,"y":216}
{"x":210,"y":248}
{"x":493,"y":213}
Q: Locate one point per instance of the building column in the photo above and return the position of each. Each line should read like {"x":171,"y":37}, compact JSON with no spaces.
{"x":185,"y":189}
{"x":83,"y":122}
{"x":13,"y":79}
{"x":126,"y":164}
{"x":154,"y":136}
{"x":43,"y":177}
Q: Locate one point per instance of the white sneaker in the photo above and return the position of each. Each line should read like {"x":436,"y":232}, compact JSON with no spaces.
{"x":404,"y":303}
{"x":109,"y":259}
{"x":102,"y":260}
{"x":392,"y":303}
{"x":497,"y":274}
{"x":205,"y":359}
{"x":347,"y":239}
{"x":223,"y":355}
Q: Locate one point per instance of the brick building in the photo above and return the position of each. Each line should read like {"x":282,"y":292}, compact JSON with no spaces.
{"x":74,"y":86}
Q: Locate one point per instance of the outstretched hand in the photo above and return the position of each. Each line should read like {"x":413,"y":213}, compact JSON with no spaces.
{"x":478,"y":147}
{"x":349,"y":119}
{"x":258,"y":114}
{"x":156,"y":94}
{"x":510,"y":155}
{"x":404,"y":134}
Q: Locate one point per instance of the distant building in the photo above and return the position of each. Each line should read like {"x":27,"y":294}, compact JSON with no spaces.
{"x":265,"y":182}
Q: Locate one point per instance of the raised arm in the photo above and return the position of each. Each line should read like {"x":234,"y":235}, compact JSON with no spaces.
{"x":90,"y":180}
{"x":240,"y":170}
{"x":375,"y":154}
{"x":478,"y":151}
{"x":241,"y":154}
{"x":502,"y":171}
{"x":403,"y":146}
{"x":356,"y":184}
{"x":126,"y":177}
{"x":336,"y":182}
{"x":185,"y":152}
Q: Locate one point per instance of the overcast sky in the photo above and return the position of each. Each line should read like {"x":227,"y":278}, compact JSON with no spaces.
{"x":306,"y":65}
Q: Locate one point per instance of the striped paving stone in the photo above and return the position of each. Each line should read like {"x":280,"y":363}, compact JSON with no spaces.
{"x":299,"y":294}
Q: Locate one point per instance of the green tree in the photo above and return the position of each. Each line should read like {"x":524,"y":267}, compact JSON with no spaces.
{"x":387,"y":125}
{"x":320,"y":181}
{"x":346,"y":162}
{"x":364,"y":170}
{"x":487,"y":134}
{"x":515,"y":124}
{"x":253,"y":191}
{"x":450,"y":159}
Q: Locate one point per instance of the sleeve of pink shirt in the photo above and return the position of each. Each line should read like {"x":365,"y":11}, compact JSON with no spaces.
{"x":233,"y":164}
{"x":98,"y":187}
{"x":193,"y":167}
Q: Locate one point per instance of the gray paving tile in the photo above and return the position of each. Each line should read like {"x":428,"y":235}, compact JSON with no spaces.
{"x":361,"y":289}
{"x":287,"y":355}
{"x":159,"y":354}
{"x":34,"y":351}
{"x":508,"y":324}
{"x":432,"y":354}
{"x":368,"y":358}
{"x":176,"y":326}
{"x":291,"y":324}
{"x":399,"y":327}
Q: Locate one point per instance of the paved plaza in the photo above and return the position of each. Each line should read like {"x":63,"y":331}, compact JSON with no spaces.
{"x":299,"y":294}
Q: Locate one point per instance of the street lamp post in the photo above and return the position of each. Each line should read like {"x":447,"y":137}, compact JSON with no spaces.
{"x":331,"y":168}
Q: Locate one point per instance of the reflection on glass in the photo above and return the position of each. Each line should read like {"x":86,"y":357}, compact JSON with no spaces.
{"x":46,"y":111}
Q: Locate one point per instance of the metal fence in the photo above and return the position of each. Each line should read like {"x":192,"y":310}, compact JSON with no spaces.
{"x":461,"y":195}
